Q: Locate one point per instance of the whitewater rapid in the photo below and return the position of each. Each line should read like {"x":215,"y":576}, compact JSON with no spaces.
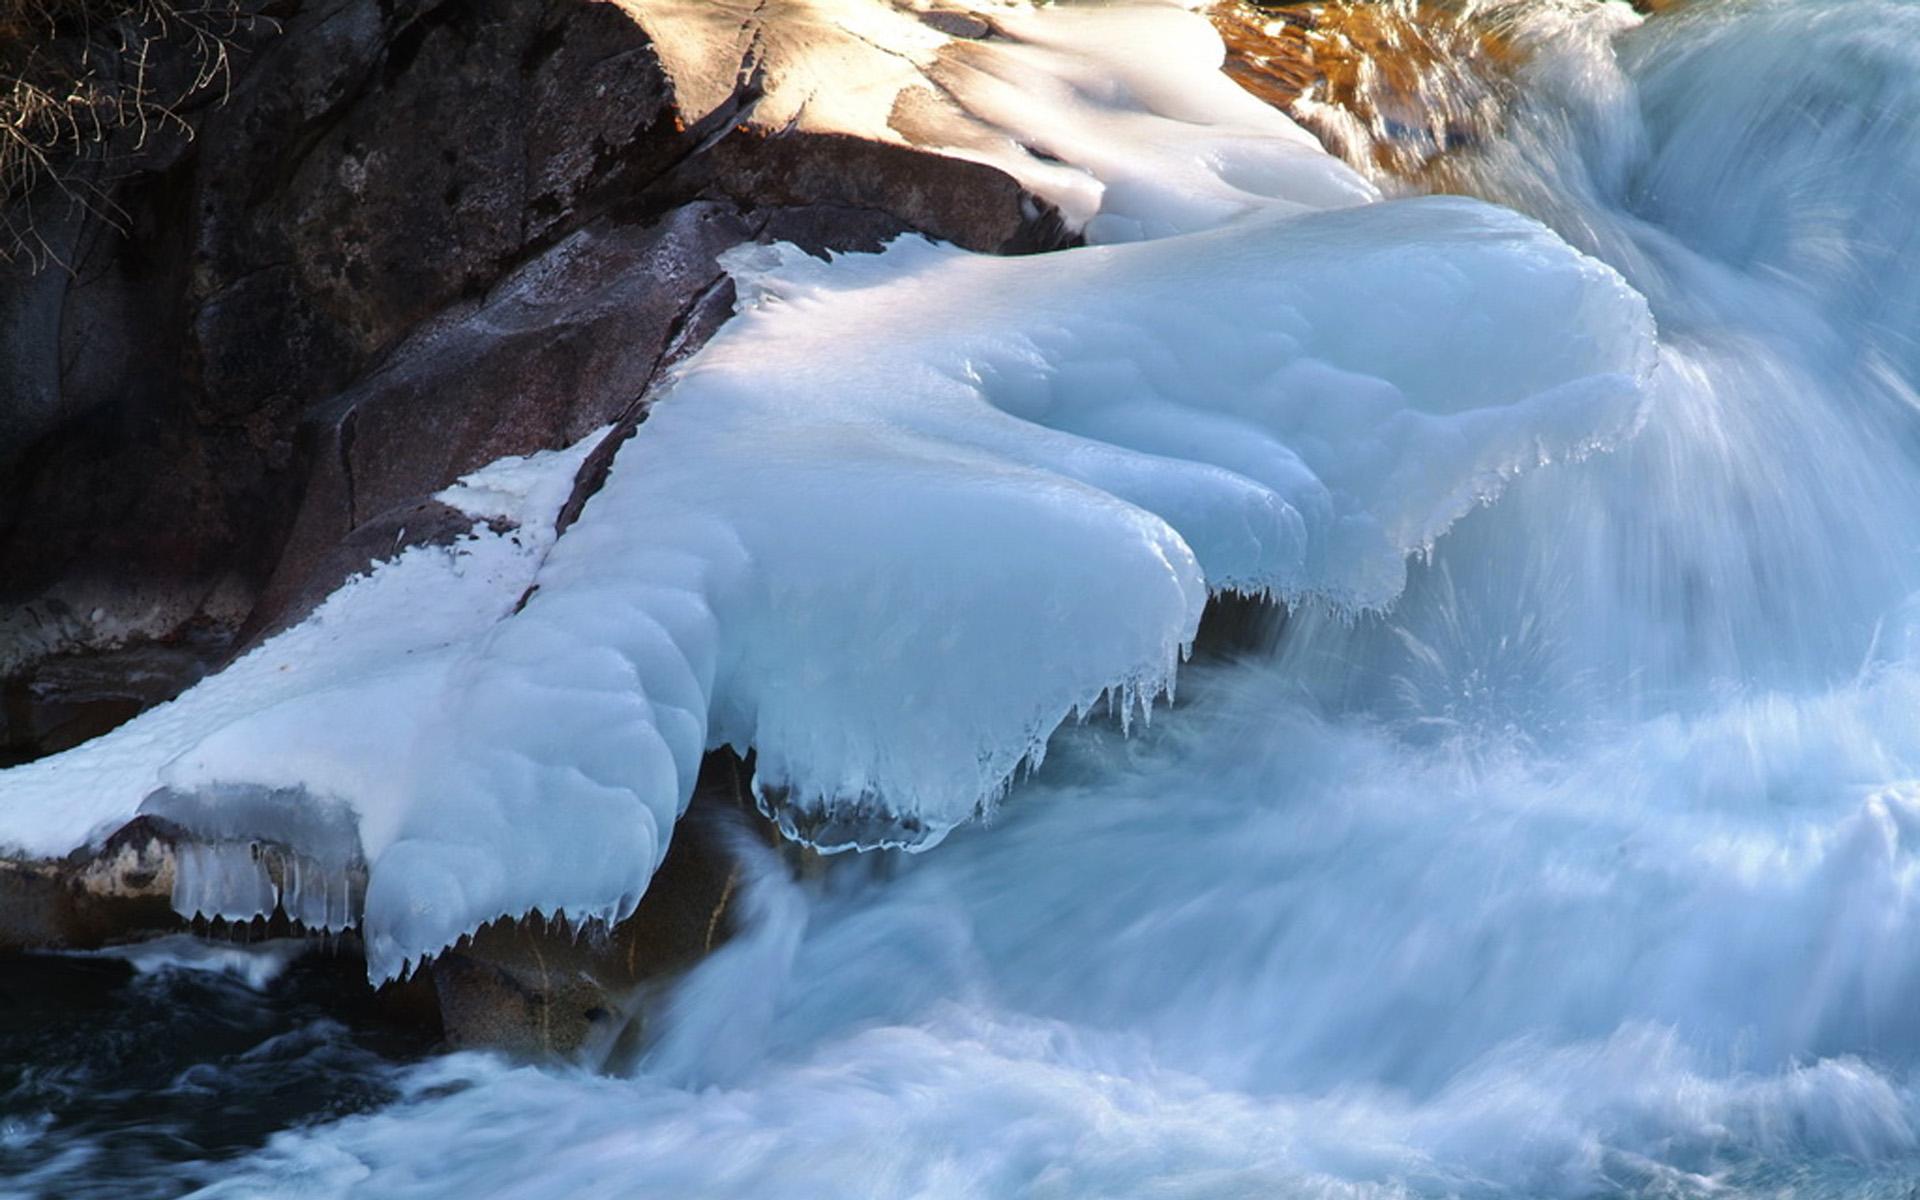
{"x":1588,"y":867}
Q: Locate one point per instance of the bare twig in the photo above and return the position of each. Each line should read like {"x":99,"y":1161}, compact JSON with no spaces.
{"x":85,"y":85}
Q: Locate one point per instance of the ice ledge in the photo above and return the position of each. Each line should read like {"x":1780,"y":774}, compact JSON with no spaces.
{"x":902,"y":517}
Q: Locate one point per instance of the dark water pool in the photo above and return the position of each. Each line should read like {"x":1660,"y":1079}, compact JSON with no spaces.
{"x":123,"y":1083}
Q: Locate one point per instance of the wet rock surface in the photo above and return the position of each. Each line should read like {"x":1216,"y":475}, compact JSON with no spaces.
{"x":1391,"y":87}
{"x":549,"y":991}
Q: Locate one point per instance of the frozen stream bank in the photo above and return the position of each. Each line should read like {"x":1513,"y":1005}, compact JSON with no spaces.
{"x":1580,"y":862}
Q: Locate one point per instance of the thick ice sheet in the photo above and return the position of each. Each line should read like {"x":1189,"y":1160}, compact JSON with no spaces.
{"x":903,"y":517}
{"x":911,"y":511}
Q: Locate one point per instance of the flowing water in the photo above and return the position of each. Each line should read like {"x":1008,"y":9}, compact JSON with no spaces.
{"x":1590,"y":869}
{"x":123,"y":1078}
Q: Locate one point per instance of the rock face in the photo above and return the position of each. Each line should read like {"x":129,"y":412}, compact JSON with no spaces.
{"x":415,"y":237}
{"x":124,"y":889}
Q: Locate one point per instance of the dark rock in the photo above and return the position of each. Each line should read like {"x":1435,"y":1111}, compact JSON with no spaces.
{"x":417,"y":236}
{"x":958,"y":24}
{"x":420,"y":235}
{"x":566,"y":344}
{"x":59,"y":702}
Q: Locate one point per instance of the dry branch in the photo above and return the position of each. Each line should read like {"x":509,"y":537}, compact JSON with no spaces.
{"x":85,"y":85}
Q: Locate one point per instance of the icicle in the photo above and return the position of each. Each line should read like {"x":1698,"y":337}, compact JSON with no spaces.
{"x":222,"y":881}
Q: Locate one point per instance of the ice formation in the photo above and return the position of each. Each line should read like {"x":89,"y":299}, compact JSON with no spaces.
{"x":320,"y":709}
{"x":903,"y":517}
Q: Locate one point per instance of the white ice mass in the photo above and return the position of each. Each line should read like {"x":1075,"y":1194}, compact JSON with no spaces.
{"x":904,"y":515}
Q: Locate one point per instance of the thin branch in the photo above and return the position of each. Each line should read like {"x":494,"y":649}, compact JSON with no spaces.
{"x":85,"y":85}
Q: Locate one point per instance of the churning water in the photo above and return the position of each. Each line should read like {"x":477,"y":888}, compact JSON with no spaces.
{"x":1589,"y":869}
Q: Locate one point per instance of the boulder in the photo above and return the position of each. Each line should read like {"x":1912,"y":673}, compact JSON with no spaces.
{"x":120,"y":891}
{"x":415,"y":237}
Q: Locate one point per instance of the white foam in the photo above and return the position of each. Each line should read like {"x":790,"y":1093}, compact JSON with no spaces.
{"x":257,"y":964}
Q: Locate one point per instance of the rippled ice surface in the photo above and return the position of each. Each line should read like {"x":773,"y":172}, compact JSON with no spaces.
{"x":1590,"y":869}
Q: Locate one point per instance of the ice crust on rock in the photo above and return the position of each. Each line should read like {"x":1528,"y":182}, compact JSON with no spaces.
{"x":1116,"y":114}
{"x":903,"y":516}
{"x":327,"y":708}
{"x":255,"y":848}
{"x":910,"y":511}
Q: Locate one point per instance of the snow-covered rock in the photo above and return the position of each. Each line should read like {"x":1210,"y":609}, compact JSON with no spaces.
{"x":1116,"y":114}
{"x":906,"y":513}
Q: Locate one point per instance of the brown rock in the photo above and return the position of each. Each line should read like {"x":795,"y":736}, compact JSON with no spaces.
{"x":544,"y":991}
{"x":1414,"y":82}
{"x":120,"y":892}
